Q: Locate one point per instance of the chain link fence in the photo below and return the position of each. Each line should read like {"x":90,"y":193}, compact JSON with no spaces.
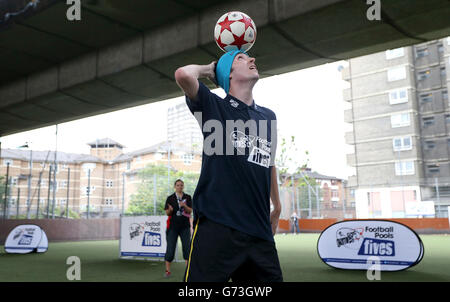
{"x":58,"y":191}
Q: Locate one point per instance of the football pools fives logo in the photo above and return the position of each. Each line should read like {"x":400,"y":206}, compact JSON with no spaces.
{"x":375,"y":245}
{"x":257,"y":139}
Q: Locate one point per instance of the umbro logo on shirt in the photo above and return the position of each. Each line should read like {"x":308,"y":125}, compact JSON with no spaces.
{"x":234,"y":103}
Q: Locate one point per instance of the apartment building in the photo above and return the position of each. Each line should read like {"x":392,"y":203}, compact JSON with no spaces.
{"x":182,"y":127}
{"x":400,"y":116}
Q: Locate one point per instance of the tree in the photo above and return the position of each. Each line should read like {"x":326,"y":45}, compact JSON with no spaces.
{"x":290,"y":163}
{"x":142,"y":202}
{"x":287,"y":162}
{"x":2,"y":192}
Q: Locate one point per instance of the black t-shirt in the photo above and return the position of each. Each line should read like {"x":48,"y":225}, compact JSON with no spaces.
{"x":235,"y":178}
{"x":179,"y":218}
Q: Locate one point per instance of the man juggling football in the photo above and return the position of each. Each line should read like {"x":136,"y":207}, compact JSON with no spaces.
{"x":233,"y":223}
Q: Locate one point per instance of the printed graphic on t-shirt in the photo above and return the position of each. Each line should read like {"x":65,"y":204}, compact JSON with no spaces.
{"x":259,"y":157}
{"x":259,"y":147}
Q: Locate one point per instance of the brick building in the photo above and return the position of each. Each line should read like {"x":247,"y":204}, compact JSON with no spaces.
{"x":110,"y":174}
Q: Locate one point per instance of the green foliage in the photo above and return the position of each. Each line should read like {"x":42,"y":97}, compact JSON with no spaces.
{"x":2,"y":189}
{"x":142,"y":202}
{"x":61,"y":211}
{"x":288,"y":160}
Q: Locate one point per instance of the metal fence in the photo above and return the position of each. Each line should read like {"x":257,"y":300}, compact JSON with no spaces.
{"x":313,"y":203}
{"x":60,"y":196}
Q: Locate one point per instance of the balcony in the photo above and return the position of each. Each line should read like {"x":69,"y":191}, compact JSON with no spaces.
{"x":347,"y":95}
{"x":348,"y":118}
{"x":345,"y":74}
{"x":349,"y":138}
{"x":351,"y":159}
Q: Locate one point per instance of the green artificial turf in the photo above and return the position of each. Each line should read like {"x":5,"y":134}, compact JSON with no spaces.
{"x":297,"y":253}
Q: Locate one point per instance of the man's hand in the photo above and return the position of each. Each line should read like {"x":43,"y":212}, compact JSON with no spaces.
{"x":187,"y":77}
{"x":212,"y":73}
{"x":274,"y":218}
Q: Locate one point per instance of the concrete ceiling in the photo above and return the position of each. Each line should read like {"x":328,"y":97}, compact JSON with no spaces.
{"x":124,"y":53}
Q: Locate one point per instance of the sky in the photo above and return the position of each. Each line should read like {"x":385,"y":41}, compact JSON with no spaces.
{"x":308,"y":104}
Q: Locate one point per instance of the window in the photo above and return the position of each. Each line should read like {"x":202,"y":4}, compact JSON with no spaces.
{"x":14,"y":181}
{"x":445,"y":95}
{"x":86,"y":190}
{"x":352,"y":192}
{"x":13,"y":201}
{"x":334,"y":194}
{"x":443,"y":72}
{"x":8,"y":162}
{"x":430,"y":145}
{"x":109,"y":184}
{"x":394,"y":53}
{"x":400,"y":120}
{"x":420,"y":53}
{"x":62,"y":202}
{"x":138,"y":159}
{"x":63,"y":183}
{"x":440,"y":48}
{"x":65,"y":166}
{"x":396,"y":74}
{"x":428,"y":121}
{"x":128,"y":165}
{"x":404,"y":168}
{"x":108,"y":201}
{"x":54,"y":185}
{"x":433,"y":168}
{"x":398,"y":96}
{"x":187,"y":159}
{"x":447,"y":118}
{"x":422,"y":75}
{"x":402,"y":143}
{"x":426,"y":98}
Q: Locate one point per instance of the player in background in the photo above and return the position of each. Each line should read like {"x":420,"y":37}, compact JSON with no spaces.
{"x":178,"y":207}
{"x":295,"y":228}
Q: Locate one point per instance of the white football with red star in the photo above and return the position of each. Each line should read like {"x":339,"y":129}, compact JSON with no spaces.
{"x":235,"y":31}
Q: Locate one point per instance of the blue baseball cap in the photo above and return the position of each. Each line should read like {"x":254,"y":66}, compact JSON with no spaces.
{"x":223,"y":68}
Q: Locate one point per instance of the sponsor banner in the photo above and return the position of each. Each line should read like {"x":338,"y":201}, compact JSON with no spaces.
{"x":27,"y":238}
{"x":143,"y":236}
{"x":43,"y":245}
{"x":423,"y":208}
{"x":350,"y":244}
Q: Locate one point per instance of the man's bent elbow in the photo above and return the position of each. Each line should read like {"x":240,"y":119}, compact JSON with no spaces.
{"x":180,"y":75}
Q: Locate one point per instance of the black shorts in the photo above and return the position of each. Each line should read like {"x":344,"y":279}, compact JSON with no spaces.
{"x":218,"y":253}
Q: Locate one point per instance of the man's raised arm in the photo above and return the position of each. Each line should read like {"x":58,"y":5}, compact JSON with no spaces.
{"x":187,"y":77}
